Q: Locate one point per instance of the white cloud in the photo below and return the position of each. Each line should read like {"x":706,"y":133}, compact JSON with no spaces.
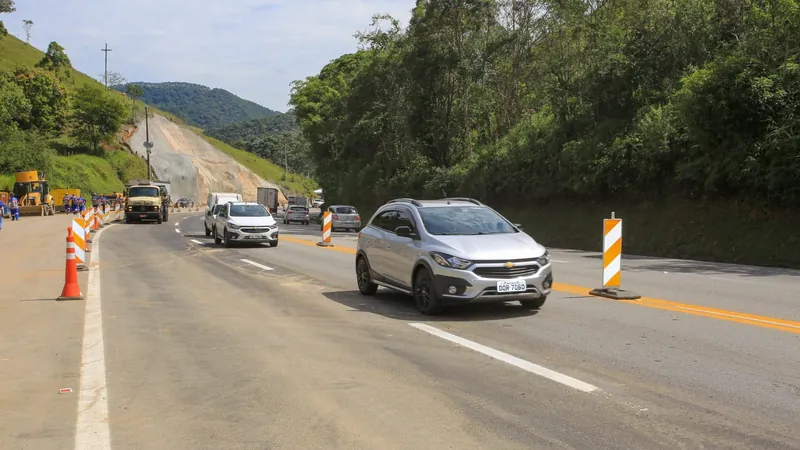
{"x":253,"y":48}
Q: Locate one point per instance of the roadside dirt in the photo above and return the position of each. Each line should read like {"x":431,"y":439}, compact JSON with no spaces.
{"x":193,"y":166}
{"x":40,"y":338}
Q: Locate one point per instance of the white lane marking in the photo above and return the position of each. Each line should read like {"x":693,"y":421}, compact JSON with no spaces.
{"x":260,"y":266}
{"x":198,"y":242}
{"x":177,"y":224}
{"x":91,"y":426}
{"x":509,"y":359}
{"x":558,"y":261}
{"x":177,"y":230}
{"x":736,"y":316}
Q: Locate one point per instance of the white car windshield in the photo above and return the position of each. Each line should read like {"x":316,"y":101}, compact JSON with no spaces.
{"x":464,"y":220}
{"x":248,"y":211}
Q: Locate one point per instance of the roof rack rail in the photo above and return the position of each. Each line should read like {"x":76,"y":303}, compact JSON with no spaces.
{"x":406,"y":200}
{"x":464,"y":199}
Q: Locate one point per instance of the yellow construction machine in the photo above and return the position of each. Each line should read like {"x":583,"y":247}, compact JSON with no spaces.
{"x":33,"y":193}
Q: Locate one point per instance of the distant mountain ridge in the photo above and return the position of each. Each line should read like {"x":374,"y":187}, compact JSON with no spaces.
{"x":200,"y":105}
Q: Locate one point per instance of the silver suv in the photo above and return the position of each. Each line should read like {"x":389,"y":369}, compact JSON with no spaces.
{"x":449,"y":252}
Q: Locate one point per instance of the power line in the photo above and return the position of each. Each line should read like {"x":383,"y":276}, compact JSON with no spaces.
{"x":106,"y":50}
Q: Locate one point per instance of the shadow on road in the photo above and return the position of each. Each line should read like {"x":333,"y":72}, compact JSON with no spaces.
{"x":634,"y":263}
{"x":401,"y":307}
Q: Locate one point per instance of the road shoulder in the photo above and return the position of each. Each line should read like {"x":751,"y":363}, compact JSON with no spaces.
{"x":40,"y":342}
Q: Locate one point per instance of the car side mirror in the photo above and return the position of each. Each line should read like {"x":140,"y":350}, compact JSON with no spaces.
{"x":405,"y":231}
{"x":208,"y":213}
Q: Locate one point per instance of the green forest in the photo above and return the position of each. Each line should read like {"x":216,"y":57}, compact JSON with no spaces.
{"x":682,"y":116}
{"x":56,"y":120}
{"x":199,"y":105}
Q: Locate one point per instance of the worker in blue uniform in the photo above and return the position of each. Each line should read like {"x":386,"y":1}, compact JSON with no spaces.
{"x":13,"y":206}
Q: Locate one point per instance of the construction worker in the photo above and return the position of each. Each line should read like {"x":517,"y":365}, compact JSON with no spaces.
{"x":2,"y":206}
{"x":66,"y":203}
{"x":81,"y":204}
{"x":13,"y":206}
{"x":95,"y":200}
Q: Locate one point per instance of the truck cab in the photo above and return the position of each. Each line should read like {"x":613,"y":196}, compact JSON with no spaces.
{"x":144,"y":203}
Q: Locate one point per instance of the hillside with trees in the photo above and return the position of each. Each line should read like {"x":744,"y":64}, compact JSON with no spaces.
{"x":57,"y":120}
{"x":276,"y":138}
{"x":682,"y":116}
{"x":199,"y":105}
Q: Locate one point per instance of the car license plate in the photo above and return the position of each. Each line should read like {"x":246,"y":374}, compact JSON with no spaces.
{"x":142,"y":215}
{"x":511,"y":286}
{"x":256,"y":236}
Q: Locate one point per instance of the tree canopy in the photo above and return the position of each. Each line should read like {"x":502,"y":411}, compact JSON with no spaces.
{"x":540,"y":98}
{"x":97,"y":115}
{"x":199,"y":105}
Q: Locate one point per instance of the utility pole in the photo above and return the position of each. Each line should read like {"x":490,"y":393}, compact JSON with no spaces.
{"x":285,"y":162}
{"x":147,"y":144}
{"x":106,"y":50}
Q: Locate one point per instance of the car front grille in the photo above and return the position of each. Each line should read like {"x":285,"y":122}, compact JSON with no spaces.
{"x":506,"y":272}
{"x":255,"y":229}
{"x":144,"y":208}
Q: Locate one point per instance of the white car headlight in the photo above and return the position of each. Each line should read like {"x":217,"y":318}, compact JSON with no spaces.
{"x":544,"y":259}
{"x":233,"y":226}
{"x":454,"y":262}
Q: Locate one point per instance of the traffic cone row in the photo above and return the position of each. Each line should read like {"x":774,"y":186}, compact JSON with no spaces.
{"x":93,"y":220}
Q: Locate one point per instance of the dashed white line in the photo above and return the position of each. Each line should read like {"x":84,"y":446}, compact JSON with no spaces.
{"x":260,"y":266}
{"x":177,"y":224}
{"x":510,"y":359}
{"x":558,"y":261}
{"x":177,"y":230}
{"x":198,"y":242}
{"x":91,"y":427}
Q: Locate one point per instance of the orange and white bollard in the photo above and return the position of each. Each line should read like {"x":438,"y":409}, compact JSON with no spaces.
{"x":72,"y":290}
{"x":79,"y":237}
{"x":326,"y":230}
{"x":612,"y":263}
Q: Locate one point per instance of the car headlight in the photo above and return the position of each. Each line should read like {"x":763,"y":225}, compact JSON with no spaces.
{"x":233,"y":226}
{"x":446,"y":260}
{"x":544,"y":259}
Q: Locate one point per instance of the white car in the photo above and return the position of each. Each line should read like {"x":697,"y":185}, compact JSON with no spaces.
{"x":210,"y":218}
{"x":243,"y":222}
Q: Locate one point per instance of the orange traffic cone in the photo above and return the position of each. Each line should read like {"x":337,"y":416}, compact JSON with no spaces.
{"x":71,"y":291}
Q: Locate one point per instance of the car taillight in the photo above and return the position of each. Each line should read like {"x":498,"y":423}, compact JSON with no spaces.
{"x":358,"y":217}
{"x":335,"y":217}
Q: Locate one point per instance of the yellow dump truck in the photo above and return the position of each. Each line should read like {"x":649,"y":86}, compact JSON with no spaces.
{"x":33,"y":193}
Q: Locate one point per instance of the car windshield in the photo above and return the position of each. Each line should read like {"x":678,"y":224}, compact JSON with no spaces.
{"x":464,"y":221}
{"x":143,"y":191}
{"x":248,"y":211}
{"x":345,"y":210}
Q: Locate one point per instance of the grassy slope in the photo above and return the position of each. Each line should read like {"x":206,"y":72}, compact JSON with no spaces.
{"x":88,"y":173}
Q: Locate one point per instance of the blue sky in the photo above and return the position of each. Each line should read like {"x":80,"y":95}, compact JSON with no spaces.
{"x":253,"y":48}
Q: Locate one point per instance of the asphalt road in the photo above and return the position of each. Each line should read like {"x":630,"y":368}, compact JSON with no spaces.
{"x":265,"y":348}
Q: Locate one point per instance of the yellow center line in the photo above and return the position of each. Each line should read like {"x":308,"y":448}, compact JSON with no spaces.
{"x":666,"y":305}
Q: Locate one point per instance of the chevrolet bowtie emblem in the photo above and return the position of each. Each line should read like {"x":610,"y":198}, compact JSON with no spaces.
{"x":509,"y":265}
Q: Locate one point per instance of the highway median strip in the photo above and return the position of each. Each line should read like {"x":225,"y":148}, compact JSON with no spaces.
{"x":666,"y":305}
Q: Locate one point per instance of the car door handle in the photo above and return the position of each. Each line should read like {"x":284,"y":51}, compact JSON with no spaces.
{"x":388,"y":246}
